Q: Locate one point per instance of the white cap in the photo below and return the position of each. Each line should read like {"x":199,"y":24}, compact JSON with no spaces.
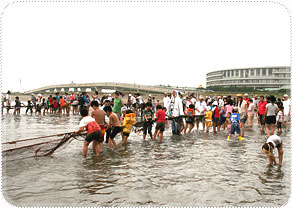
{"x":130,"y":94}
{"x":150,"y":95}
{"x":215,"y":103}
{"x":245,"y":94}
{"x":124,"y":108}
{"x":286,"y":95}
{"x":39,"y":95}
{"x":201,"y":97}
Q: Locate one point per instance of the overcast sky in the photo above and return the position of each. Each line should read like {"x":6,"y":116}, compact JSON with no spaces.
{"x":145,"y":43}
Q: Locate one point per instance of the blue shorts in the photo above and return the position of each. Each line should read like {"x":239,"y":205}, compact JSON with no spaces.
{"x":235,"y":128}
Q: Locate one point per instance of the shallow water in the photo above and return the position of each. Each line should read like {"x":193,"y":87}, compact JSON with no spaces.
{"x":188,"y":170}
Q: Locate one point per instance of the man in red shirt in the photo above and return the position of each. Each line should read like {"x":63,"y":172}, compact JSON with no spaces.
{"x":160,"y":125}
{"x":261,"y":112}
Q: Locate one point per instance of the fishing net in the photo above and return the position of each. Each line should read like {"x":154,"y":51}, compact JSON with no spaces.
{"x":37,"y":147}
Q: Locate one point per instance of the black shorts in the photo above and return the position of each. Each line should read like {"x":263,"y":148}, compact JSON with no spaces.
{"x":215,"y":119}
{"x":115,"y":131}
{"x":147,"y":126}
{"x":279,"y":125}
{"x":190,"y":120}
{"x":222,"y":120}
{"x":270,"y":119}
{"x":93,"y":136}
{"x":160,"y":126}
{"x":262,"y":120}
{"x":126,"y":134}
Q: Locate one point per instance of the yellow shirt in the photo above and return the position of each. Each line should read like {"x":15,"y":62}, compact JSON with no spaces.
{"x":208,"y":116}
{"x":129,"y":121}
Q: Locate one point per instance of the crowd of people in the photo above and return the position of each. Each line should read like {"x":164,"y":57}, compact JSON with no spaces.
{"x":111,"y":116}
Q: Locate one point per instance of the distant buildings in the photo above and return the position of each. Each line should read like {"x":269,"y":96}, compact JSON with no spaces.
{"x":257,"y":78}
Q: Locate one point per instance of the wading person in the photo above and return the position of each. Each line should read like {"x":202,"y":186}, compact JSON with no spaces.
{"x":200,"y":112}
{"x":93,"y":130}
{"x":8,"y":101}
{"x":235,"y":125}
{"x":273,"y":142}
{"x":176,"y":111}
{"x":242,"y":110}
{"x":99,"y":116}
{"x":261,"y":112}
{"x":118,"y":103}
{"x":287,"y":110}
{"x":128,"y":122}
{"x":270,"y":115}
{"x":160,"y":124}
{"x":148,"y":120}
{"x":114,"y":124}
{"x":250,"y":113}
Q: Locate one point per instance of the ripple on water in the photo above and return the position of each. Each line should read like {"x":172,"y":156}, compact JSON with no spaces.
{"x":196,"y":169}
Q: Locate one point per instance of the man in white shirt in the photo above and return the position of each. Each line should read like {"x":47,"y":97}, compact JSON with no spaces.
{"x":166,"y":100}
{"x":176,"y":112}
{"x":200,"y":112}
{"x":287,"y":109}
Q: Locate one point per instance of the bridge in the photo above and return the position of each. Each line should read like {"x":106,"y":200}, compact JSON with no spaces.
{"x":122,"y":87}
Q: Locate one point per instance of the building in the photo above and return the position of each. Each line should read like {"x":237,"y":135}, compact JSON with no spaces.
{"x":258,"y":78}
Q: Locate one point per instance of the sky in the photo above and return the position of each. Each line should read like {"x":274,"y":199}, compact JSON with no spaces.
{"x":144,"y":43}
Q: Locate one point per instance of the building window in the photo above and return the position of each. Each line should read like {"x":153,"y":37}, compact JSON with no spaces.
{"x":270,"y":72}
{"x":252,"y":72}
{"x":232,"y":73}
{"x":237,"y":73}
{"x":246,"y":73}
{"x":258,"y":72}
{"x":264,"y":72}
{"x":241,"y":73}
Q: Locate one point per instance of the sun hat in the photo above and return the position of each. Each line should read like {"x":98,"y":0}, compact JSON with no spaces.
{"x":245,"y":94}
{"x":215,"y":103}
{"x":239,"y":95}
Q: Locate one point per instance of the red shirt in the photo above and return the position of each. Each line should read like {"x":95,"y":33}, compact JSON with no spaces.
{"x":160,"y":115}
{"x":55,"y":104}
{"x":216,"y":112}
{"x":262,"y":107}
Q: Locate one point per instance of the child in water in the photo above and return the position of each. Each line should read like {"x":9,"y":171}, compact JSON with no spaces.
{"x":93,"y":130}
{"x":235,"y":124}
{"x":190,"y":118}
{"x":128,"y":122}
{"x":273,"y":142}
{"x":228,"y":122}
{"x":216,"y":117}
{"x":208,"y":118}
{"x":29,"y":106}
{"x":160,"y":125}
{"x":148,"y":120}
{"x":279,"y":119}
{"x":17,"y":106}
